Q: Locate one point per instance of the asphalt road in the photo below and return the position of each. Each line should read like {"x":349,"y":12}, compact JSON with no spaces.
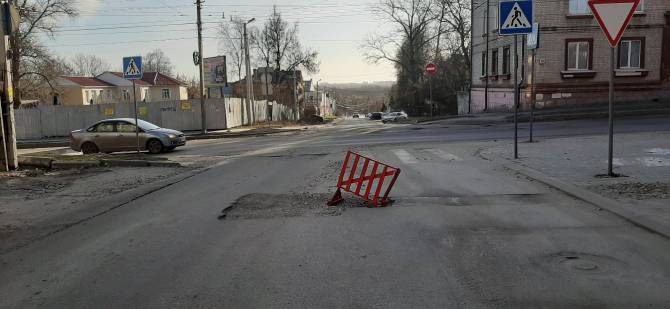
{"x":463,"y":233}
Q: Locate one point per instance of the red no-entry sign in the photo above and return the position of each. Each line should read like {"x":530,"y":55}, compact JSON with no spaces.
{"x":431,"y":69}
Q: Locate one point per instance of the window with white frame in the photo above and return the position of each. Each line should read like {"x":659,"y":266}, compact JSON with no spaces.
{"x":579,"y":7}
{"x":88,"y":96}
{"x":109,"y":95}
{"x":578,"y":55}
{"x":165,"y":94}
{"x":630,"y":54}
{"x":126,"y":95}
{"x":640,"y":7}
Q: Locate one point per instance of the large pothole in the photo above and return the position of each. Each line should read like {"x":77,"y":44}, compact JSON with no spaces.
{"x":266,"y":206}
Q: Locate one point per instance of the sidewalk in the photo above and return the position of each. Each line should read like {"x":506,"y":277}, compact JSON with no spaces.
{"x":642,"y":158}
{"x":260,"y":130}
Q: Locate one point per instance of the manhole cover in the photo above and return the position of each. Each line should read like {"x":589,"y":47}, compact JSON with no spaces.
{"x":581,"y":263}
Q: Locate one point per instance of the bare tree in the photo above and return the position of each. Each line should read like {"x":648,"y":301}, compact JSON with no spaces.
{"x":278,"y":43}
{"x":36,"y":17}
{"x":88,"y":65}
{"x":157,"y":61}
{"x":406,"y":46}
{"x":231,"y":43}
{"x":455,"y":16}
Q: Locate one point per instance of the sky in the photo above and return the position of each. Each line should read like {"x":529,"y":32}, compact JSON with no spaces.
{"x":114,"y":29}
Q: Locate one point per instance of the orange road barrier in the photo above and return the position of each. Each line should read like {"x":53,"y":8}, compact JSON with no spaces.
{"x":365,"y":178}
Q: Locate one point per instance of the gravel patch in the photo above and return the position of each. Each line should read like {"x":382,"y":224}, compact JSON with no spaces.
{"x":635,"y":190}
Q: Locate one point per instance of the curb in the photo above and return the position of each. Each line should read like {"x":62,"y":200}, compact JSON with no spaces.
{"x":597,"y":200}
{"x":48,"y":163}
{"x":237,"y":135}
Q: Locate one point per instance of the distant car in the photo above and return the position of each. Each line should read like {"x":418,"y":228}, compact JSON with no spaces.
{"x":116,"y":135}
{"x":394,"y":117}
{"x":356,"y":116}
{"x":368,"y":115}
{"x":376,"y":116}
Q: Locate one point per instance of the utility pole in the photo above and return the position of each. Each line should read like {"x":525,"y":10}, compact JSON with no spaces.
{"x":201,"y":65}
{"x":318,"y":102}
{"x":250,"y":85}
{"x":486,"y":58}
{"x":7,"y":124}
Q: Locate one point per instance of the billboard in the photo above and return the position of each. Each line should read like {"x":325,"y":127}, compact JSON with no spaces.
{"x":215,"y":71}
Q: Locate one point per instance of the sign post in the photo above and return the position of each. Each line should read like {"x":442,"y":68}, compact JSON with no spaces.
{"x":613,"y":16}
{"x":533,"y":43}
{"x":132,"y":70}
{"x":431,"y":70}
{"x":516,"y":17}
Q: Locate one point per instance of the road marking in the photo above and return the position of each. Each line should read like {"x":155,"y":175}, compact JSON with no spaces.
{"x":444,"y":155}
{"x":659,"y":151}
{"x":618,"y":162}
{"x":654,"y":162}
{"x":405,"y":156}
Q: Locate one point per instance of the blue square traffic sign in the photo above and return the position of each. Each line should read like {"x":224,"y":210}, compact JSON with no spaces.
{"x":132,"y":67}
{"x":515,"y":17}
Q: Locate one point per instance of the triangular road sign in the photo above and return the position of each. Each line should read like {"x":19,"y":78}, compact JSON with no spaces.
{"x":613,"y":16}
{"x":132,"y":68}
{"x":516,"y":19}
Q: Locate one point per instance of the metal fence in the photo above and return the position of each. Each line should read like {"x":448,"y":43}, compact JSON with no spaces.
{"x":56,"y":121}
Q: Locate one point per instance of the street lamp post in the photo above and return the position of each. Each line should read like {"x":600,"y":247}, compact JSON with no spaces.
{"x":247,"y":61}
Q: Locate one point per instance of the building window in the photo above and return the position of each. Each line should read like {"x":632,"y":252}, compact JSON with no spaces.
{"x":126,"y":95}
{"x":640,"y":7}
{"x":494,"y":62}
{"x":88,"y":96}
{"x":506,"y":60}
{"x":146,"y":95}
{"x":578,"y":55}
{"x":484,"y":64}
{"x":631,"y":53}
{"x":109,"y":95}
{"x":579,"y":7}
{"x":165,"y":94}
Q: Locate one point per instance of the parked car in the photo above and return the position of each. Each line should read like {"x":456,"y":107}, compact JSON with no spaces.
{"x":376,"y":116}
{"x":356,"y":116}
{"x":115,"y":135}
{"x":394,"y":117}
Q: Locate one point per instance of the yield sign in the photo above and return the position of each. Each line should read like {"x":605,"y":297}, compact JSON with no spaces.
{"x":613,"y":17}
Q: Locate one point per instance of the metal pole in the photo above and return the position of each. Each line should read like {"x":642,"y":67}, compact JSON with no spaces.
{"x":202,"y":71}
{"x":2,"y":135}
{"x":430,"y":85}
{"x":532,"y":94}
{"x":250,"y":99}
{"x":610,"y":167}
{"x":516,"y":98}
{"x":486,"y":64}
{"x":137,"y":123}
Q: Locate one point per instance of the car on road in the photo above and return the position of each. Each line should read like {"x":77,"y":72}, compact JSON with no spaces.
{"x":376,"y":116}
{"x":356,"y":116}
{"x":394,"y":117}
{"x":117,"y":135}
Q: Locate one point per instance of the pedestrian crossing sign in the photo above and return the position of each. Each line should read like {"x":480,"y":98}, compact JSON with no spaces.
{"x":132,"y":67}
{"x":515,"y":17}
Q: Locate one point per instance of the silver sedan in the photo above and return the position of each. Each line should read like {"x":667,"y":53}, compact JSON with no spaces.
{"x":116,"y":135}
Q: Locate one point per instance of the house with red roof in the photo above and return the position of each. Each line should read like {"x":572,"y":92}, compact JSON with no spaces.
{"x":111,"y":87}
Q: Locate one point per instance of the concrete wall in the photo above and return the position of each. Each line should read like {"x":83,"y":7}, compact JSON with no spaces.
{"x":50,"y":121}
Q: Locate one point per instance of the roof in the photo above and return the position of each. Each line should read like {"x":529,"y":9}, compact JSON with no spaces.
{"x":120,"y":75}
{"x":87,"y":81}
{"x":158,"y":79}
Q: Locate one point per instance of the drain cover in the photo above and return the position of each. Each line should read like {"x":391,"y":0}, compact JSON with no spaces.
{"x":581,"y":263}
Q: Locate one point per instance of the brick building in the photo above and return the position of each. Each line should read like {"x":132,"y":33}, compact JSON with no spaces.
{"x":572,"y":62}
